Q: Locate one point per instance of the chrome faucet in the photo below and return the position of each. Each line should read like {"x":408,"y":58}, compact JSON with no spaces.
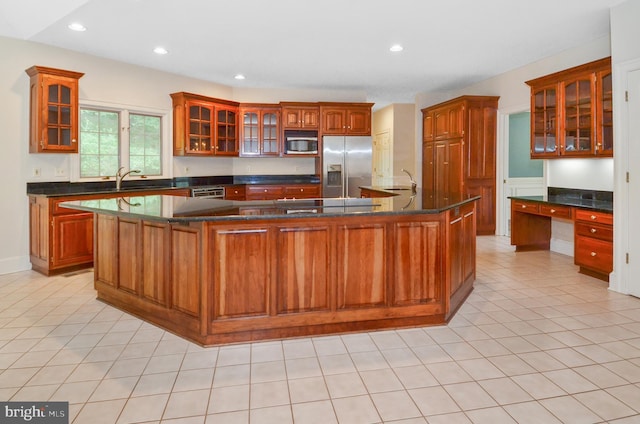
{"x":120,"y":176}
{"x":414,"y":185}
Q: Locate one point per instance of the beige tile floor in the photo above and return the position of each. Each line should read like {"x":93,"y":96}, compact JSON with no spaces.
{"x":536,"y":342}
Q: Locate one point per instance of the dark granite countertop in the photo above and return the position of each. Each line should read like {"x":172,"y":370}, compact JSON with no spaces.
{"x":184,"y":209}
{"x":61,"y":189}
{"x":596,"y":200}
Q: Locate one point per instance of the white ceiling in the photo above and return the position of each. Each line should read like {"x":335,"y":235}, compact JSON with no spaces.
{"x":324,"y":44}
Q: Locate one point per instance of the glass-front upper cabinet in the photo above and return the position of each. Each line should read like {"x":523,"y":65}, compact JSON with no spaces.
{"x":227,"y":136}
{"x":54,"y":110}
{"x":578,"y":129}
{"x":544,"y":131}
{"x":260,"y":131}
{"x":604,"y":128}
{"x":200,"y":124}
{"x":571,"y":112}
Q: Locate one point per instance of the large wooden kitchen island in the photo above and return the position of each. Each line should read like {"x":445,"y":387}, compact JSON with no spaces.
{"x":218,"y":271}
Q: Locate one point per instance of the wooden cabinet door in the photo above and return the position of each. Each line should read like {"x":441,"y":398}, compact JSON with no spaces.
{"x":72,"y":239}
{"x":441,"y":124}
{"x":309,"y":118}
{"x":334,"y":121}
{"x":260,"y":132}
{"x":455,"y":167}
{"x":462,"y":239}
{"x":427,"y":127}
{"x":303,"y":268}
{"x":578,"y":129}
{"x":604,"y":115}
{"x":53,"y":110}
{"x":300,"y":117}
{"x":241,"y":282}
{"x":456,"y":120}
{"x":250,"y":132}
{"x":358,"y":122}
{"x":544,"y":122}
{"x":226,"y":141}
{"x":360,"y":286}
{"x":428,"y":169}
{"x":200,"y":120}
{"x":417,"y":263}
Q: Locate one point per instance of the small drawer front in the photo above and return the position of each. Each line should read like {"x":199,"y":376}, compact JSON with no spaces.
{"x":520,"y":206}
{"x":264,"y":192}
{"x":235,"y":192}
{"x":302,"y":191}
{"x":59,"y":210}
{"x":556,"y":211}
{"x":602,"y":232}
{"x":594,"y":254}
{"x":592,"y":216}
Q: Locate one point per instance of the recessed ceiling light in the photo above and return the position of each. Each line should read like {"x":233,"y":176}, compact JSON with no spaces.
{"x":239,"y":77}
{"x":160,"y":50}
{"x":396,"y":48}
{"x":77,"y":27}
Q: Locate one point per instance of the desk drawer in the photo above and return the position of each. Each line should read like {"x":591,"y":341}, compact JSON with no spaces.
{"x":594,"y":254}
{"x":530,"y":207}
{"x":602,"y":232}
{"x":556,"y":211}
{"x":592,"y":216}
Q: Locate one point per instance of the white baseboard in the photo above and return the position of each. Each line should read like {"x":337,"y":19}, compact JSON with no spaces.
{"x":15,"y":264}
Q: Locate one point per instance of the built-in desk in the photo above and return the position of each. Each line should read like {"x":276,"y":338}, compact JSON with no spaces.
{"x":592,"y":216}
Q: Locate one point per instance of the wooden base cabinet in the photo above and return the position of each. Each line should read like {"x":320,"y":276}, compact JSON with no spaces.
{"x":231,"y":281}
{"x":459,"y":152}
{"x":594,"y":243}
{"x":61,"y":239}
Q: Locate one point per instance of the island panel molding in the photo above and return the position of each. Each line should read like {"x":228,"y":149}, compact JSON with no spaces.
{"x":298,"y":274}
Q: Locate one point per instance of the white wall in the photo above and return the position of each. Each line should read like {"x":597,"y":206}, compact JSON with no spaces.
{"x":107,"y":81}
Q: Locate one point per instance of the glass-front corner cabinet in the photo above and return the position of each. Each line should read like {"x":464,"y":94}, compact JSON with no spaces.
{"x":260,"y":131}
{"x":54,"y":110}
{"x":571,"y":112}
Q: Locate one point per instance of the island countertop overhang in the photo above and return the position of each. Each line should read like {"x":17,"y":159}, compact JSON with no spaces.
{"x":187,"y":209}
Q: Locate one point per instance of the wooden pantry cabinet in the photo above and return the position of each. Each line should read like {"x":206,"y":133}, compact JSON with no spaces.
{"x":204,"y":126}
{"x":346,"y":118}
{"x":61,"y":239}
{"x":572,"y":112}
{"x":459,"y":153}
{"x":53,"y":112}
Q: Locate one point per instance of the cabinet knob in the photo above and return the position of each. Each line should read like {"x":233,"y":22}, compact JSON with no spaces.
{"x":74,"y":140}
{"x":593,"y":230}
{"x":524,"y":206}
{"x":301,"y":189}
{"x":553,"y":211}
{"x":265,"y":190}
{"x":593,"y":217}
{"x":593,"y":254}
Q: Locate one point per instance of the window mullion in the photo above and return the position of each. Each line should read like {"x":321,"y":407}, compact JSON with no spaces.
{"x":124,"y":139}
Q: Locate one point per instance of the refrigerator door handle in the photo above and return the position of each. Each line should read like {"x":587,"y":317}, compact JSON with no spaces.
{"x":345,"y":174}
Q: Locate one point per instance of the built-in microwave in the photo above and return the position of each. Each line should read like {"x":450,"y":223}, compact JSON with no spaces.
{"x":301,"y":143}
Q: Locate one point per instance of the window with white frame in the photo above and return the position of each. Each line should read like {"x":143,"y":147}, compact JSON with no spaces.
{"x":111,"y":138}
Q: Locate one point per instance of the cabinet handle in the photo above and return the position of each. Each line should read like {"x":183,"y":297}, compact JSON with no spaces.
{"x":593,"y":254}
{"x":553,"y":211}
{"x":593,"y":231}
{"x":593,"y":217}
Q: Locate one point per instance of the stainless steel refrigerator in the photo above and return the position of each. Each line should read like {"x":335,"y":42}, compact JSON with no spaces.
{"x":347,"y":164}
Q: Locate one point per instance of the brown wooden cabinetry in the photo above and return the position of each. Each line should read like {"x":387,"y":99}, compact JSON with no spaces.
{"x":594,"y":243}
{"x":593,"y":233}
{"x":260,"y":130}
{"x":61,"y":239}
{"x":346,"y":118}
{"x":204,"y":126}
{"x":571,"y":112}
{"x":273,"y":192}
{"x":459,"y":153}
{"x":235,"y":192}
{"x":53,"y":111}
{"x":297,"y":116}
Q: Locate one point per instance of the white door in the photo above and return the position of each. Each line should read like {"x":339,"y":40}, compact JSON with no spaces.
{"x":633,"y":193}
{"x":382,"y":159}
